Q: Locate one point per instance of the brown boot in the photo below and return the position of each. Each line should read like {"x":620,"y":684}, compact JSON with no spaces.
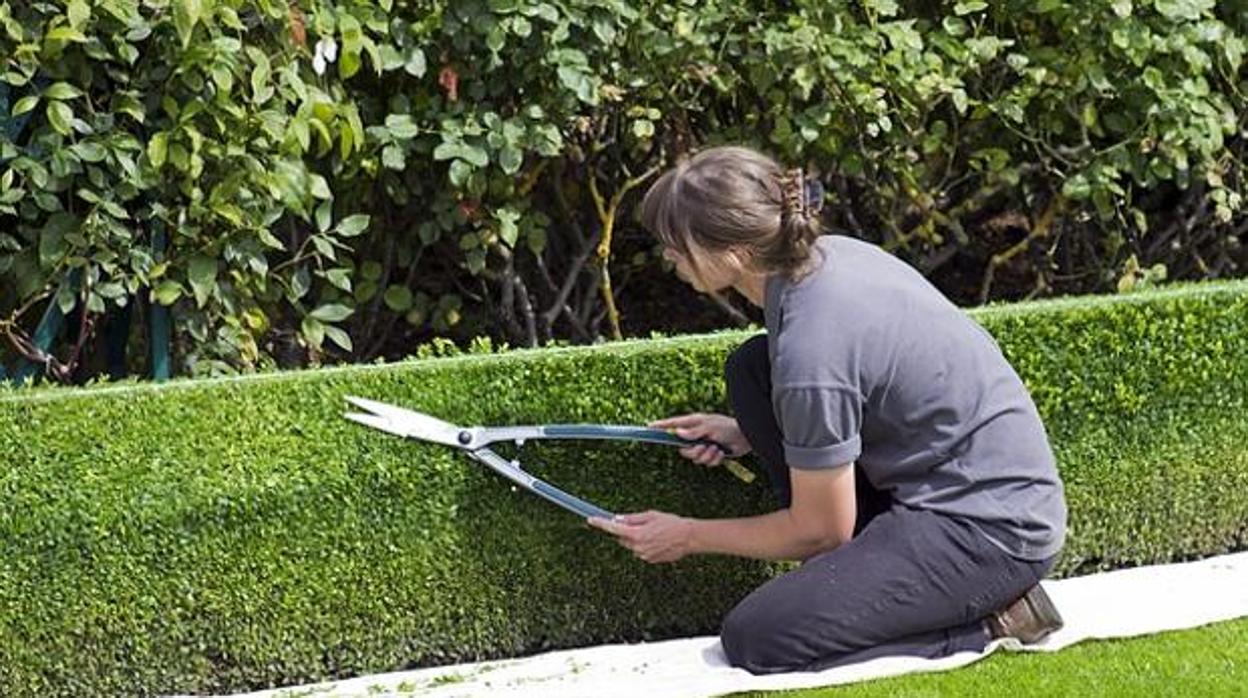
{"x":1029,"y":619}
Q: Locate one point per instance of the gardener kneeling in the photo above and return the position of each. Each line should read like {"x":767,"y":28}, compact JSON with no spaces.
{"x":915,"y":477}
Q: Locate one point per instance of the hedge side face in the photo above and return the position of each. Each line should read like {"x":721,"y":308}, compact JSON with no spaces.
{"x":217,"y":536}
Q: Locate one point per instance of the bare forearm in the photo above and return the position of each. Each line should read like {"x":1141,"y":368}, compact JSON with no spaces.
{"x":773,"y":536}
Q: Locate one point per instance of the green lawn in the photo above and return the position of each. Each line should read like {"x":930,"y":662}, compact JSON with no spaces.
{"x":1208,"y":661}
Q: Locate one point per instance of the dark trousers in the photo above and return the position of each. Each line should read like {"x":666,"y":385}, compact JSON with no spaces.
{"x":909,"y":582}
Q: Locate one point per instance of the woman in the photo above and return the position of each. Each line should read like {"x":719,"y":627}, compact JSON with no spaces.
{"x":915,"y":477}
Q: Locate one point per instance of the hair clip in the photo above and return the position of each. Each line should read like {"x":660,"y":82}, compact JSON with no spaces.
{"x":814,"y":195}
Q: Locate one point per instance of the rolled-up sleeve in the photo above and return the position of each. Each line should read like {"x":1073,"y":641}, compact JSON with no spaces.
{"x":820,"y":424}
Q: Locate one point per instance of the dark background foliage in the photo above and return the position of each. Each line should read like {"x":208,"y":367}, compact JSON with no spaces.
{"x":325,"y":181}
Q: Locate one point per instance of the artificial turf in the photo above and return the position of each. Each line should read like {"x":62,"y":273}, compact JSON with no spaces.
{"x":1208,"y":661}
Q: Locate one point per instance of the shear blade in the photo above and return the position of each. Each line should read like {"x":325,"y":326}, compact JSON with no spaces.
{"x":376,"y":422}
{"x":404,"y":422}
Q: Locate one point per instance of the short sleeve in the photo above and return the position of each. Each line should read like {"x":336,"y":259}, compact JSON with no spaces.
{"x":820,"y":425}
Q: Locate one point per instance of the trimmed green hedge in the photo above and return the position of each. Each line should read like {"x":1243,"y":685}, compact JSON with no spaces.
{"x":236,"y":534}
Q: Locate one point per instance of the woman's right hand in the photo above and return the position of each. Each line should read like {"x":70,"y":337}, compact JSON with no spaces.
{"x":714,"y":427}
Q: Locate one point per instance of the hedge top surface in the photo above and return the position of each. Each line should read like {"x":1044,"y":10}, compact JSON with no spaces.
{"x":623,"y":348}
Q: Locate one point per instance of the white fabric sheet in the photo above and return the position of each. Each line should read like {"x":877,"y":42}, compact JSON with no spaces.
{"x":1123,"y":603}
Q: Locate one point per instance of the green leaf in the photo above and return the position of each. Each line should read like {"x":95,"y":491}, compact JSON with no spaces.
{"x":604,"y":29}
{"x":62,"y":90}
{"x":202,"y":273}
{"x":186,"y":14}
{"x":324,"y":216}
{"x":1183,"y":9}
{"x":66,"y":299}
{"x":536,"y":240}
{"x":510,"y":159}
{"x":65,"y":34}
{"x":313,"y":331}
{"x":25,"y":104}
{"x":52,"y":245}
{"x":320,"y":188}
{"x":415,"y":65}
{"x":167,"y":292}
{"x":332,"y":312}
{"x":965,"y":8}
{"x":475,"y":155}
{"x":884,"y":8}
{"x":1089,"y":115}
{"x":348,"y":64}
{"x":392,"y":157}
{"x":340,"y":278}
{"x":339,"y":337}
{"x":398,"y":298}
{"x":402,"y":126}
{"x":300,"y":282}
{"x":959,"y":99}
{"x":260,"y":90}
{"x":269,"y":239}
{"x":496,"y":39}
{"x":446,"y":151}
{"x":391,"y":59}
{"x":353,"y":225}
{"x":507,"y":229}
{"x":78,"y":13}
{"x":89,"y":152}
{"x":902,"y":35}
{"x":1077,"y":188}
{"x":158,"y":149}
{"x":364,"y":291}
{"x":229,"y":17}
{"x":460,"y":172}
{"x":324,"y":246}
{"x":578,"y":82}
{"x":60,"y":116}
{"x":223,"y":78}
{"x":476,"y":264}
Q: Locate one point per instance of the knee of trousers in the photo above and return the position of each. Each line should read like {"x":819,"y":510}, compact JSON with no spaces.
{"x":746,"y":363}
{"x":751,"y":639}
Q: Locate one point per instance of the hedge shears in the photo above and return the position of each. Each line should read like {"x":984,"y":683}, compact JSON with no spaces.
{"x":475,"y":443}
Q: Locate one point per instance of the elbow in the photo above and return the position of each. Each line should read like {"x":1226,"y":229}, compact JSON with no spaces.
{"x":830,"y":541}
{"x":821,"y":539}
{"x":817,"y":545}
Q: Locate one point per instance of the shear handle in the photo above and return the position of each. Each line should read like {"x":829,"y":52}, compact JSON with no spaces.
{"x":625,"y":433}
{"x":543,"y":489}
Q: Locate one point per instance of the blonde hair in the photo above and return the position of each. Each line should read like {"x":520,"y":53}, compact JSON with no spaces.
{"x":733,"y":197}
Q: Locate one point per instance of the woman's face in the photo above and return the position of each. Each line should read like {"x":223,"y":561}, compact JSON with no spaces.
{"x":715,"y":271}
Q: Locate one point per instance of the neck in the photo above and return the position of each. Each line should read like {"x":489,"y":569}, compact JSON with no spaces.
{"x":753,"y":286}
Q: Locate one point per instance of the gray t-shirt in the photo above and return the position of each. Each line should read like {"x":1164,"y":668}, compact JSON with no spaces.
{"x":871,"y":363}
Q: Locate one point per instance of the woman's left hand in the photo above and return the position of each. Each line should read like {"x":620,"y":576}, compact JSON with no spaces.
{"x":653,"y":536}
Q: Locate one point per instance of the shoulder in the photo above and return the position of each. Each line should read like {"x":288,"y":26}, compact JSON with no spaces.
{"x":838,"y":322}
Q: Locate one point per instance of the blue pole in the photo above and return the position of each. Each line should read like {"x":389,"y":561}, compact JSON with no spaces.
{"x":49,"y":328}
{"x":160,"y":315}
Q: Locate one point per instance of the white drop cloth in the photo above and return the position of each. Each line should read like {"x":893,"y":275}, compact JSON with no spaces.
{"x":1122,"y":603}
